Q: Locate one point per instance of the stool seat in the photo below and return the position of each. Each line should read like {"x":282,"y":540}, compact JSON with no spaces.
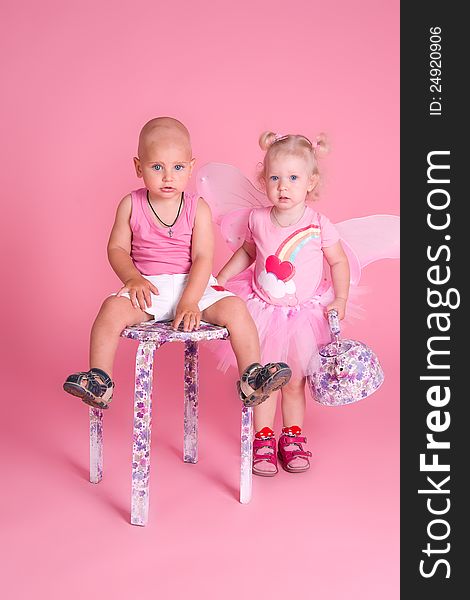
{"x":162,"y":332}
{"x":151,"y":335}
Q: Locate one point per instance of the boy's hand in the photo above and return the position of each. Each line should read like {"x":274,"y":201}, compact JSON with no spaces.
{"x":139,"y":290}
{"x":338,"y":304}
{"x":189,"y":314}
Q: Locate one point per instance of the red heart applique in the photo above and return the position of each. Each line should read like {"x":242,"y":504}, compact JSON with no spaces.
{"x":218,"y":288}
{"x":283,"y":270}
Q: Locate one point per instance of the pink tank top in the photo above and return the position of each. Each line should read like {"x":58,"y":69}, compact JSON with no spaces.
{"x":153,"y":251}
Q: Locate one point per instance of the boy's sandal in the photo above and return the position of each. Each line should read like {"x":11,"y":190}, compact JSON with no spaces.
{"x":94,"y":387}
{"x":257,"y":383}
{"x":263,"y":460}
{"x":287,"y":457}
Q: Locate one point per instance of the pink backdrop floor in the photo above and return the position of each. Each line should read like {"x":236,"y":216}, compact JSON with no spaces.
{"x":332,"y":533}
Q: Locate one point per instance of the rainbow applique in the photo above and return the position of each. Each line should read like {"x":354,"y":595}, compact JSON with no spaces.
{"x":281,"y":263}
{"x":276,"y":279}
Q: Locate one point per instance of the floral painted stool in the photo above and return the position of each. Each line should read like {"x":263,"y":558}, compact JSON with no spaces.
{"x":150,"y":337}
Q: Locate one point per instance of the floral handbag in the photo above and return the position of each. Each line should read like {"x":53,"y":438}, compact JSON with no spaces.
{"x":349,"y":370}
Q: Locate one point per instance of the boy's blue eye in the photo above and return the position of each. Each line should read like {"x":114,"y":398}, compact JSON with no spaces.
{"x":179,"y":167}
{"x":157,"y":167}
{"x":293,"y":177}
{"x":274,"y":178}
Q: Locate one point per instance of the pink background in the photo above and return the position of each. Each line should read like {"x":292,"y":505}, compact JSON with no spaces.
{"x":81,"y":78}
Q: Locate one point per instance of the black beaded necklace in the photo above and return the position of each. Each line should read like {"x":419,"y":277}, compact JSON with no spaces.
{"x":170,"y":230}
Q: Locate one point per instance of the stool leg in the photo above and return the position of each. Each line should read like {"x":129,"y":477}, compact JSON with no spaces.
{"x":246,"y":474}
{"x":142,"y":432}
{"x":96,"y":445}
{"x":191,"y":393}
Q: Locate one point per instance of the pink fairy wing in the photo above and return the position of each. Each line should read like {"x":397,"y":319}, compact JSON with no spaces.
{"x":372,"y":238}
{"x":226,"y":189}
{"x":365,"y":240}
{"x":233,"y":227}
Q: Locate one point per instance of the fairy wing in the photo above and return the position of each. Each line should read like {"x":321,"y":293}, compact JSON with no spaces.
{"x":232,"y":196}
{"x":226,"y":189}
{"x":372,"y":238}
{"x":368,"y":239}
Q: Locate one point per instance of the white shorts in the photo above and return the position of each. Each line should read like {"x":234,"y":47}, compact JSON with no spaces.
{"x":171,"y":288}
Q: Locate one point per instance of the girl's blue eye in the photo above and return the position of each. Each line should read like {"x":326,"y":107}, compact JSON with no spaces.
{"x":274,"y":178}
{"x":179,"y":167}
{"x":157,"y":167}
{"x":293,"y":177}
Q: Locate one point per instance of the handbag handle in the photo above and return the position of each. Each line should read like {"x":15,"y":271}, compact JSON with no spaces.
{"x":333,"y":322}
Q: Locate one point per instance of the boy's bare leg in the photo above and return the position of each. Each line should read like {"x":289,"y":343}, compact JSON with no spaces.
{"x":232,"y":313}
{"x":115,"y":315}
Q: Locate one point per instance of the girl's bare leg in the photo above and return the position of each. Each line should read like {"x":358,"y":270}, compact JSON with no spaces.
{"x":293,"y":406}
{"x":264,"y":413}
{"x":293,"y":412}
{"x":115,"y":315}
{"x":293,"y":403}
